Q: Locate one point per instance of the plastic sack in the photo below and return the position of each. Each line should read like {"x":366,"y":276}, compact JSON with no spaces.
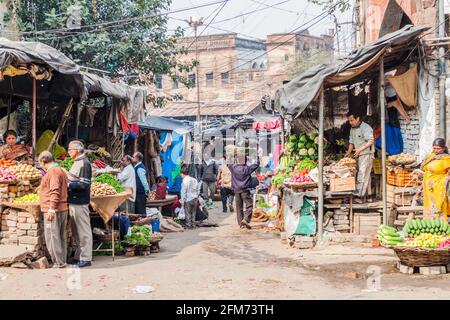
{"x":300,"y":222}
{"x":314,"y":175}
{"x":181,"y":215}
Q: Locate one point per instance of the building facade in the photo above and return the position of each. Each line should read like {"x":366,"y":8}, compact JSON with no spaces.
{"x":234,"y":68}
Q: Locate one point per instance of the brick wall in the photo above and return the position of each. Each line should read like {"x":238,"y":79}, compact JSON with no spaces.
{"x":411,"y":133}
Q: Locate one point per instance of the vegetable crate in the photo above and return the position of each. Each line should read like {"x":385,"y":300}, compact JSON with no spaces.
{"x":400,"y":196}
{"x":401,"y":178}
{"x":342,"y":184}
{"x":366,"y":223}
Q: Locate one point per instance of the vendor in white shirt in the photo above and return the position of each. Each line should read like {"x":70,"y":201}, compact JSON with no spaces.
{"x":127,"y":177}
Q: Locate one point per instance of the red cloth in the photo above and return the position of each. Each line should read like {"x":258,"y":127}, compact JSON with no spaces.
{"x":134,"y":128}
{"x":376,"y":133}
{"x":268,"y":125}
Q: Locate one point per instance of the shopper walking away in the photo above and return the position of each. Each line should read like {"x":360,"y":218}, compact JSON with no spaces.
{"x":241,"y":174}
{"x":209,"y":174}
{"x":53,"y":202}
{"x":127,"y":177}
{"x":189,"y":197}
{"x":142,"y":187}
{"x":79,"y":197}
{"x":226,"y":188}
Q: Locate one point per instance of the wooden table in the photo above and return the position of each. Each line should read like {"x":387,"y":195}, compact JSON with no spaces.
{"x":341,"y":195}
{"x":169,"y":200}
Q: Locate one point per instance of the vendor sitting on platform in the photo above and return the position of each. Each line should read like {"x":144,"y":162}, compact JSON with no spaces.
{"x":361,"y":143}
{"x":11,"y":150}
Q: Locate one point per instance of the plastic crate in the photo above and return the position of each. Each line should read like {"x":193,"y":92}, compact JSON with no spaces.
{"x":377,"y":166}
{"x":401,"y":178}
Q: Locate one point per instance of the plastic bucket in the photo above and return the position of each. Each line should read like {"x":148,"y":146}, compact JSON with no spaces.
{"x":155,"y":225}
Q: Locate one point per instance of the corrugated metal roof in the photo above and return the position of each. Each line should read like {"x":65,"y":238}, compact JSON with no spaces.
{"x":220,"y":108}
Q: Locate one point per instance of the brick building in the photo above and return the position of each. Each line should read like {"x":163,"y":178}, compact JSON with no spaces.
{"x":378,"y":17}
{"x":233,"y":68}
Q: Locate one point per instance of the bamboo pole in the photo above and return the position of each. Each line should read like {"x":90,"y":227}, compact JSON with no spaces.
{"x":321,"y":193}
{"x":33,"y":115}
{"x":383,"y":139}
{"x":61,"y":124}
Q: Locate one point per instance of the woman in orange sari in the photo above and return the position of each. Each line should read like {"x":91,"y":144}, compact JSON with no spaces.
{"x":436,"y":182}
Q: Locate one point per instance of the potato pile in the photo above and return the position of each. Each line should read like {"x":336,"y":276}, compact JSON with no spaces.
{"x":402,"y":159}
{"x":102,"y":189}
{"x":25,"y":172}
{"x":347,"y":162}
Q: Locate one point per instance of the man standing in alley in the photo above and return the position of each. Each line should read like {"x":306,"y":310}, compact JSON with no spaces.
{"x":79,"y":198}
{"x":53,"y":202}
{"x":189,"y":196}
{"x":209,"y":174}
{"x":127,"y":177}
{"x":241,"y":175}
{"x":226,"y":188}
{"x":361,"y":143}
{"x":142,"y":187}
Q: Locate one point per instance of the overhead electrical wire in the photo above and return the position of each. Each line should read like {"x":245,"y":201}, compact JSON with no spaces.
{"x":128,"y":20}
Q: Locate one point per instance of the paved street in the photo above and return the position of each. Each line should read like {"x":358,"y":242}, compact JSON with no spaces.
{"x":229,"y":263}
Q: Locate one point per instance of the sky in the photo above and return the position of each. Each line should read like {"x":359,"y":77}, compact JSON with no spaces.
{"x":285,"y":16}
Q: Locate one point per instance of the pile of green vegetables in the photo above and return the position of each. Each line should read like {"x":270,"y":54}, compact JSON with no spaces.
{"x":92,"y":156}
{"x":110,"y":180}
{"x":262,"y":204}
{"x":281,"y":175}
{"x":140,"y":236}
{"x":305,"y":145}
{"x":67,"y":163}
{"x":306,"y":164}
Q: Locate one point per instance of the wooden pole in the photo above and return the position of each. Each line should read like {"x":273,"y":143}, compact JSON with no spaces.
{"x":383,"y":139}
{"x":9,"y":113}
{"x":33,"y":115}
{"x":61,"y":124}
{"x":321,"y":130}
{"x":77,"y":121}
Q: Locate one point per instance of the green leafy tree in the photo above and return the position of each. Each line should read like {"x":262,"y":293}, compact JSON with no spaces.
{"x":333,"y":5}
{"x":128,"y":38}
{"x":307,"y":59}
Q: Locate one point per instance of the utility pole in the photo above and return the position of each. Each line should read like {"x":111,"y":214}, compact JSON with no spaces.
{"x":195,"y":23}
{"x":442,"y":72}
{"x":9,"y":29}
{"x":337,"y":35}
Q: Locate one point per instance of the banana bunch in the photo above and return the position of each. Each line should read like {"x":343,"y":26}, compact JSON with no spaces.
{"x":416,"y":227}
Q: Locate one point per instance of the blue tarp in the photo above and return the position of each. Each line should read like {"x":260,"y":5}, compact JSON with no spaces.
{"x":171,"y":159}
{"x":165,"y":124}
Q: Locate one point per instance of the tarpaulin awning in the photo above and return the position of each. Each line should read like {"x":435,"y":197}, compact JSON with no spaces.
{"x":98,"y":87}
{"x":292,"y":98}
{"x":21,"y":61}
{"x":165,"y":124}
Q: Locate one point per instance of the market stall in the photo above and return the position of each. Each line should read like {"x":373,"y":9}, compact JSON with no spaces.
{"x":306,"y":105}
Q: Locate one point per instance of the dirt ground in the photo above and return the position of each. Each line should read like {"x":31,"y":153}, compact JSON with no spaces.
{"x":229,"y":263}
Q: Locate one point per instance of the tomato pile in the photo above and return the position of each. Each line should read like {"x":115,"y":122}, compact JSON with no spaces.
{"x":301,"y":176}
{"x":445,"y":243}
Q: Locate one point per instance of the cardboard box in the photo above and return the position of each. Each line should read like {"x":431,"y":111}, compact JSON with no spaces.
{"x":342,"y":184}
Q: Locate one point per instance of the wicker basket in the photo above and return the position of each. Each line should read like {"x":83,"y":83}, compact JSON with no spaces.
{"x":422,"y":257}
{"x":106,"y":237}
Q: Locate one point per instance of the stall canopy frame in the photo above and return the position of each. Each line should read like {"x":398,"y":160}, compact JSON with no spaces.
{"x":369,"y":61}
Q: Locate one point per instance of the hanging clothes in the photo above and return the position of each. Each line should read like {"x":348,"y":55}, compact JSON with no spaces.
{"x":357,"y":104}
{"x":392,"y":101}
{"x":406,"y":86}
{"x":394,"y":140}
{"x":129,"y":131}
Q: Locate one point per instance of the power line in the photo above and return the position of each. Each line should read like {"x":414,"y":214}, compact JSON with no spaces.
{"x":251,"y":12}
{"x":218,"y":12}
{"x":128,"y":20}
{"x":275,"y":7}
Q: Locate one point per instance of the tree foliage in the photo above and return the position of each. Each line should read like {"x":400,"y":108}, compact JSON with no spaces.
{"x":333,"y":5}
{"x":113,"y":35}
{"x":307,"y":59}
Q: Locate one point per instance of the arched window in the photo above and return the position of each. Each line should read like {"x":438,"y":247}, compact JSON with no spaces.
{"x":262,"y":66}
{"x":254,"y":65}
{"x":286,"y":57}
